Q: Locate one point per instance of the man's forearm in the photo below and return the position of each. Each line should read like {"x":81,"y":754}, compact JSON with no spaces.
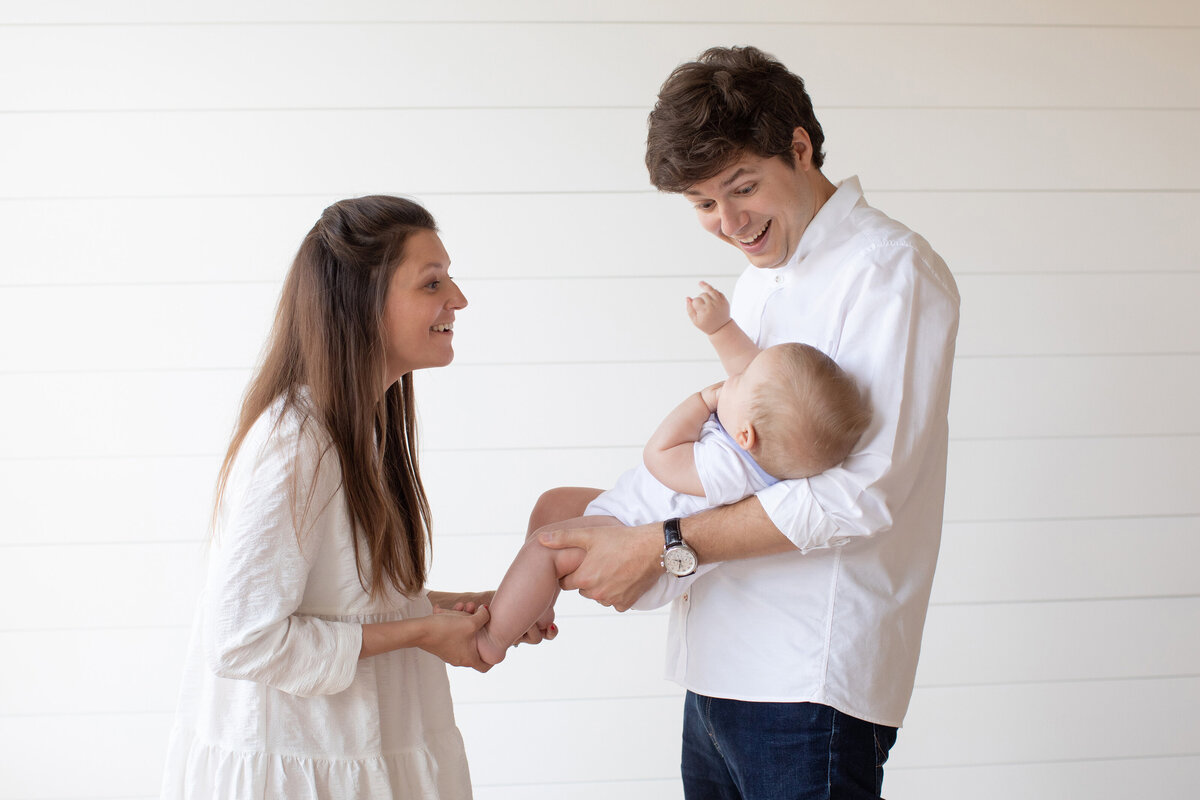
{"x":728,"y":533}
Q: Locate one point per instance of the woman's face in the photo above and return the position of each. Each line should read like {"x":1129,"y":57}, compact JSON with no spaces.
{"x":418,"y":311}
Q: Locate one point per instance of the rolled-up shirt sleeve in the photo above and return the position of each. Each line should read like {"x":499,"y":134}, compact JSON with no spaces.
{"x":897,"y":341}
{"x":259,"y":568}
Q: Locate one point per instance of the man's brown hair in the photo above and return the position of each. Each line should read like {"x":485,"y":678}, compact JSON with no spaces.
{"x":730,"y":101}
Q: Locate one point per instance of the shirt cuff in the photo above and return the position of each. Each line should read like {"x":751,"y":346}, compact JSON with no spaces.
{"x":790,"y":505}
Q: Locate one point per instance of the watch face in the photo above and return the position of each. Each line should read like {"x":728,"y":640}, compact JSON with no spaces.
{"x":679,"y":561}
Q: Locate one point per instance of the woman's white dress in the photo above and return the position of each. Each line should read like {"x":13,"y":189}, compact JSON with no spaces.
{"x":275,"y":703}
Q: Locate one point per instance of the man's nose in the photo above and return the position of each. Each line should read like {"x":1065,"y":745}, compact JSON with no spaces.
{"x":733,"y":220}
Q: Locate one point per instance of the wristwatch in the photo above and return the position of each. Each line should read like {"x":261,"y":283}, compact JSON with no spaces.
{"x":677,"y":559}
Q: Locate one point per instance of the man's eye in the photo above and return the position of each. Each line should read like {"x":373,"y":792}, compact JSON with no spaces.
{"x":746,"y":189}
{"x":433,"y":284}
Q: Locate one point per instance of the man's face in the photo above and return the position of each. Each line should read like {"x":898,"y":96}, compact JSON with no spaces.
{"x":759,"y":205}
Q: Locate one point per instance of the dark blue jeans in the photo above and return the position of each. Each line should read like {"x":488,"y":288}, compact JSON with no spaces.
{"x":735,"y":750}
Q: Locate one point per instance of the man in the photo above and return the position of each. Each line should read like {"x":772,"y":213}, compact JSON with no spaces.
{"x":799,"y":649}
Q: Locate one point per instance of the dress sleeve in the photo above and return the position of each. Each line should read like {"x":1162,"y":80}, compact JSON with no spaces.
{"x":898,"y":342}
{"x":260,"y":563}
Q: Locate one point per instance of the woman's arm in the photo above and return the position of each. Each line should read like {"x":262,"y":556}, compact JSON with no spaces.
{"x":449,"y":635}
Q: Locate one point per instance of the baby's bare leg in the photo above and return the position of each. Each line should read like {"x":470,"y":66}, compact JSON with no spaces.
{"x":529,"y":589}
{"x":559,"y":505}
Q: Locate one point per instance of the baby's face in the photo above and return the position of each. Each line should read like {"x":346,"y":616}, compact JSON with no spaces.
{"x":734,"y":401}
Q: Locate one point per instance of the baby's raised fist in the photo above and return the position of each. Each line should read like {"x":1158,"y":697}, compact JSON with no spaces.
{"x":708,"y":310}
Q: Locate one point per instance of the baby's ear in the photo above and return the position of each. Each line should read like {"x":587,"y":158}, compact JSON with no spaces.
{"x":746,"y":437}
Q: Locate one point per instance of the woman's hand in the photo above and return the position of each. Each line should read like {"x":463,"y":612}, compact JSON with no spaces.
{"x":543,"y":631}
{"x":447,"y":634}
{"x":450,"y":635}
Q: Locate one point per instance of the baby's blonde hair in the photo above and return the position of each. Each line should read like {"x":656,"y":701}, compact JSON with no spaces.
{"x":807,"y":415}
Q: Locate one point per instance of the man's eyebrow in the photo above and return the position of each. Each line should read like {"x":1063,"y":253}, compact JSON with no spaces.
{"x":737,"y":173}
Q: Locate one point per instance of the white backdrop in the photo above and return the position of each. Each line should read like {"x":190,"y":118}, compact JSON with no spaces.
{"x":159,"y":163}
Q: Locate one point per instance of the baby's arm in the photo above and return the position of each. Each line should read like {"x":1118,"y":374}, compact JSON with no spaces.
{"x":709,"y":311}
{"x":670,"y":453}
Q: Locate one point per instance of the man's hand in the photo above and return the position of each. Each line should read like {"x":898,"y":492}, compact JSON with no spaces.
{"x":709,"y":310}
{"x":621,"y":563}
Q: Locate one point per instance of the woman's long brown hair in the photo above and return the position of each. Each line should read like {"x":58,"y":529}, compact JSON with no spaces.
{"x":325,"y":359}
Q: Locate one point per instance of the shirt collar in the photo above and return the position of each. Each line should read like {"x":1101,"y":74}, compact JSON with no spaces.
{"x":828,"y":217}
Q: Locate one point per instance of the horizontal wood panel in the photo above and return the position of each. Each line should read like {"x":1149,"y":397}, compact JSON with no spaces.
{"x":1051,"y":232}
{"x":1126,"y":395}
{"x":989,"y":481}
{"x":980,"y":563}
{"x":1066,"y":579}
{"x":153,"y":584}
{"x":1068,"y":559}
{"x":1074,"y":314}
{"x":1095,"y":779}
{"x":1032,"y":724}
{"x":109,"y":448}
{"x":637,"y":233}
{"x":1067,"y":12}
{"x":1041,"y":150}
{"x":111,"y":586}
{"x":120,"y":414}
{"x":93,"y":501}
{"x":606,"y":404}
{"x":177,"y":154}
{"x":1118,"y":779}
{"x":1045,"y":642}
{"x":224,"y":326}
{"x":660,"y":789}
{"x":489,"y":64}
{"x":1048,"y":722}
{"x":581,"y":405}
{"x":998,"y":480}
{"x":55,"y":673}
{"x":112,"y":755}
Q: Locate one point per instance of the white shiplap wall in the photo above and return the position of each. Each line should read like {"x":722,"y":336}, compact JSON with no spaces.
{"x":160,"y":162}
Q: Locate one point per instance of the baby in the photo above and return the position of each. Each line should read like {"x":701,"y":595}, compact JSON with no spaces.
{"x":784,"y":412}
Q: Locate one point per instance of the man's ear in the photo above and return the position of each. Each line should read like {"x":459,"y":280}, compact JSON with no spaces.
{"x":802,"y":148}
{"x":746,"y":437}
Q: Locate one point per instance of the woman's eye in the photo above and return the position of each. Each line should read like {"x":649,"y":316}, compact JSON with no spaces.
{"x":433,"y":284}
{"x":746,"y":189}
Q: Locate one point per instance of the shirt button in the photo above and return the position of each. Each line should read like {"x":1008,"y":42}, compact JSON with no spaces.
{"x":779,"y":279}
{"x":685,"y":597}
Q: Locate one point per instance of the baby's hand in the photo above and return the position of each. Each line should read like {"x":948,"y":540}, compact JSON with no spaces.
{"x":708,"y":310}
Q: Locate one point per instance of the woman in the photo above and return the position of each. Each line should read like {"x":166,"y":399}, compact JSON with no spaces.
{"x":316,"y":665}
